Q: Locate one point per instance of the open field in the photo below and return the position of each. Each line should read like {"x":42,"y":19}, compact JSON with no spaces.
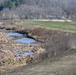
{"x":66,"y":26}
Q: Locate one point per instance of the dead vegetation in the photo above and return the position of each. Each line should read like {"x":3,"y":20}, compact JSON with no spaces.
{"x":53,"y":43}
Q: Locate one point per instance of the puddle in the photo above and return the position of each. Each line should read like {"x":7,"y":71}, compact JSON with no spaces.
{"x":14,"y":34}
{"x":24,"y":54}
{"x":25,"y":40}
{"x":20,"y":38}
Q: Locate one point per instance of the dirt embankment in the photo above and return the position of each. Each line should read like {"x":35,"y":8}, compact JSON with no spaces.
{"x":54,"y":41}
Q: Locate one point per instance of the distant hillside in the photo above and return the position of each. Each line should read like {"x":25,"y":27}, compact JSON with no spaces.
{"x":38,"y":9}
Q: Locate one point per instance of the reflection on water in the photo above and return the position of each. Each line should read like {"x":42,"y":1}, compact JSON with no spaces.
{"x":14,"y":34}
{"x":27,"y":53}
{"x":19,"y":55}
{"x":25,"y":40}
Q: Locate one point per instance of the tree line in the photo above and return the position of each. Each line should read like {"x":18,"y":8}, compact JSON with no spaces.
{"x":38,"y":9}
{"x":10,"y":4}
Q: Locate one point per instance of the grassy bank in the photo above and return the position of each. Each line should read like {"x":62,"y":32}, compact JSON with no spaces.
{"x":66,"y":26}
